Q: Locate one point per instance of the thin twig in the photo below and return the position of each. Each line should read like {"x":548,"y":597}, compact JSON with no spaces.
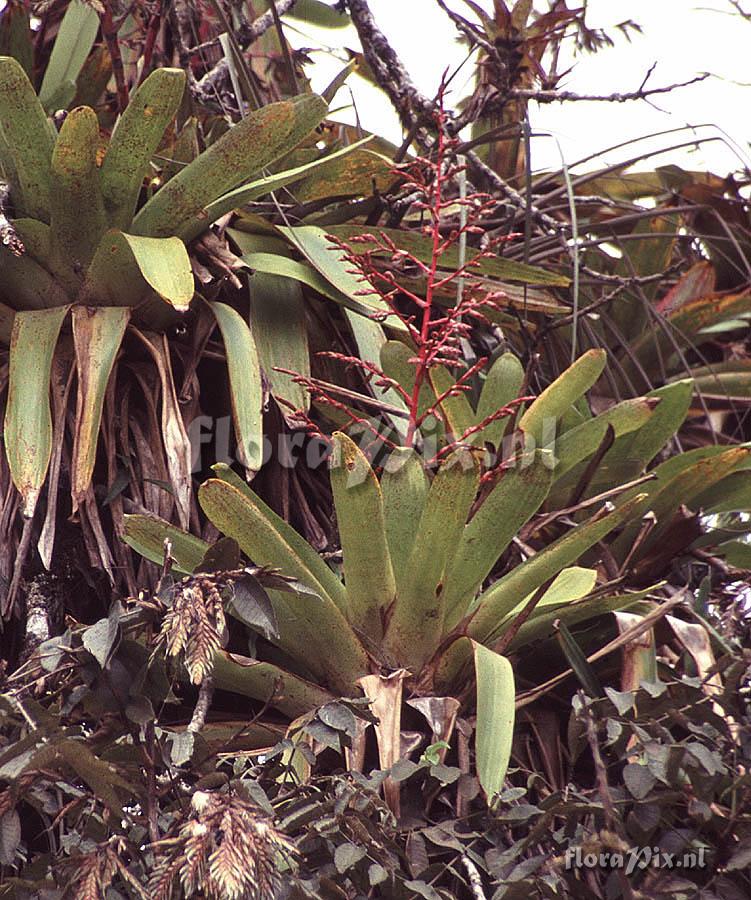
{"x":542,"y":96}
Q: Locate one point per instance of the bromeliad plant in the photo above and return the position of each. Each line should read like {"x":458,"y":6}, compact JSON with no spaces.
{"x":420,"y":598}
{"x":88,"y":266}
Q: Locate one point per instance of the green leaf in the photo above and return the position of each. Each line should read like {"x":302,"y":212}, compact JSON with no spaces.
{"x":570,"y":584}
{"x":672,"y":489}
{"x":405,"y":488}
{"x":320,"y":14}
{"x":127,"y":269}
{"x":280,"y":334}
{"x":135,"y":140}
{"x":541,"y":624}
{"x":492,"y":267}
{"x":582,"y":441}
{"x":262,"y":186}
{"x":256,"y":141}
{"x":327,"y":259}
{"x":540,"y":418}
{"x":27,"y":285}
{"x":28,"y":140}
{"x":578,"y":661}
{"x":278,"y":323}
{"x":75,"y":38}
{"x":97,"y":336}
{"x":28,"y":421}
{"x":732,"y":494}
{"x":370,"y":339}
{"x":494,"y":732}
{"x":511,"y":503}
{"x":351,"y":175}
{"x":633,"y":451}
{"x":77,"y":220}
{"x":416,"y":621}
{"x":456,"y":409}
{"x":318,"y":633}
{"x":495,"y":603}
{"x":368,"y":575}
{"x":16,"y":37}
{"x":146,"y":535}
{"x":502,"y":385}
{"x":284,"y":267}
{"x":246,"y":388}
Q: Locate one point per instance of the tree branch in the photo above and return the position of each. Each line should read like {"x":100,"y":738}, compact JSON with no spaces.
{"x":206,"y":89}
{"x":388,"y":69}
{"x":565,"y":96}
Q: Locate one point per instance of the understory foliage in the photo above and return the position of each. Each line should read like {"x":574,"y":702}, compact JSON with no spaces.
{"x":374,"y":519}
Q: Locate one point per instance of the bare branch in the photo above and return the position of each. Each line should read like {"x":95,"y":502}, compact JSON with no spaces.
{"x":388,"y":69}
{"x":565,"y":96}
{"x":206,"y":88}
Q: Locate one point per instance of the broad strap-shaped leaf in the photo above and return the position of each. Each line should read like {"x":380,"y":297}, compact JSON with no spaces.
{"x":724,"y":381}
{"x":354,"y":175}
{"x":135,"y":140}
{"x":28,"y":140}
{"x":415,"y":242}
{"x":368,"y":575}
{"x":16,"y":36}
{"x":456,"y":408}
{"x":694,"y":284}
{"x":416,"y":622}
{"x":255,"y":189}
{"x":405,"y":486}
{"x":541,"y":417}
{"x":256,"y":141}
{"x":569,"y":585}
{"x":280,"y":333}
{"x":28,"y":420}
{"x":495,"y":603}
{"x":512,"y":502}
{"x":370,"y":339}
{"x":732,"y":494}
{"x":77,"y":220}
{"x":541,"y":627}
{"x":678,"y":485}
{"x":316,"y":631}
{"x":267,"y":539}
{"x":246,"y":387}
{"x":74,"y":41}
{"x":582,"y":441}
{"x":496,"y":711}
{"x":147,"y":534}
{"x":289,"y":693}
{"x":329,"y":261}
{"x":27,"y":285}
{"x":633,"y":451}
{"x":684,"y":327}
{"x":97,"y":336}
{"x":502,"y":385}
{"x":128,"y":268}
{"x":278,"y":323}
{"x":36,"y":239}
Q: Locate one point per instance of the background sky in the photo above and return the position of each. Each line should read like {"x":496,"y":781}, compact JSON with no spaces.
{"x":684,"y":38}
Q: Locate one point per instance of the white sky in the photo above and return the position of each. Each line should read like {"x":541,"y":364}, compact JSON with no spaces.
{"x":684,"y":38}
